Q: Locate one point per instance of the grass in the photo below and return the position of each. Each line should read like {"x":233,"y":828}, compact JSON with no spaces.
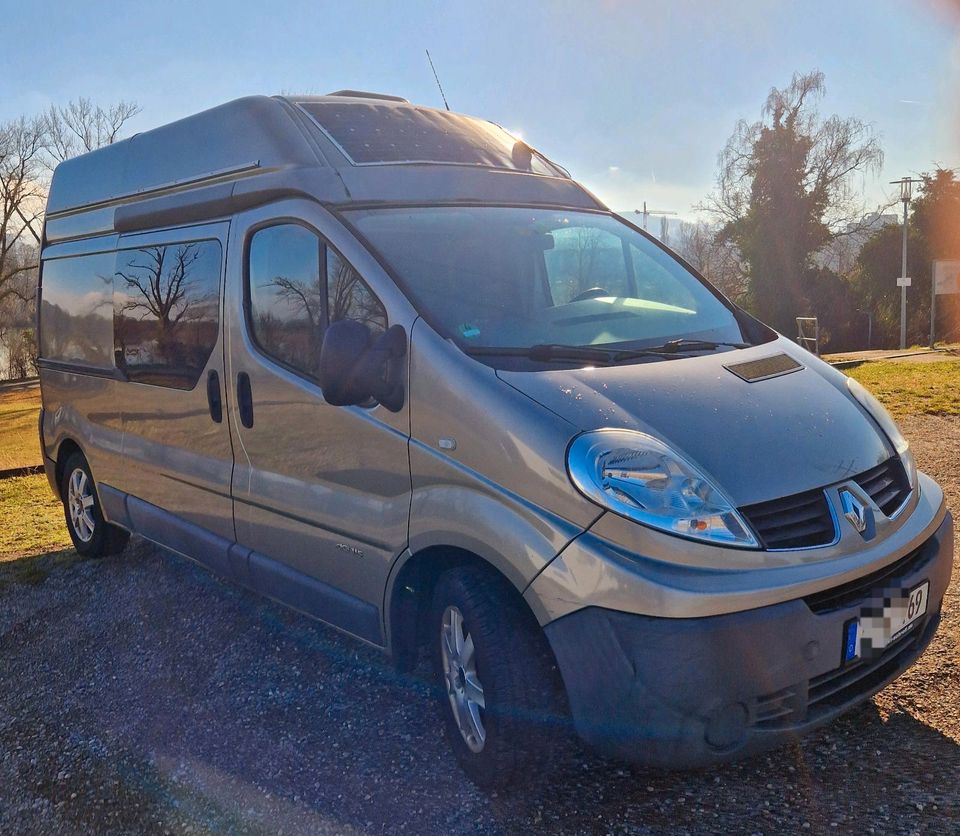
{"x":913,"y":388}
{"x":19,"y":442}
{"x":34,"y":518}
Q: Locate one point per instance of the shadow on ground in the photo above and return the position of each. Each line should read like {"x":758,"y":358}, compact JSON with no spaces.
{"x":139,"y":692}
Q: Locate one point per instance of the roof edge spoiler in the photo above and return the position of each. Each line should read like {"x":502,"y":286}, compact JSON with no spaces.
{"x":364,"y":94}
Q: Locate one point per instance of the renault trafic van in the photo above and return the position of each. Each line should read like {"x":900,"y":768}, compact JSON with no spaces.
{"x":394,"y":368}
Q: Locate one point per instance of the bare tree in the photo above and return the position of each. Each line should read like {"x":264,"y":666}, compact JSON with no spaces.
{"x":714,"y":256}
{"x":83,"y":126}
{"x":22,"y":195}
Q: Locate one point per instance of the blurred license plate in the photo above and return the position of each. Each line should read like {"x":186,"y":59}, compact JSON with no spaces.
{"x":883,"y":622}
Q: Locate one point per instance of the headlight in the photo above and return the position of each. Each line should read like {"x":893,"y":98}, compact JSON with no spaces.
{"x":878,"y":412}
{"x":641,"y":478}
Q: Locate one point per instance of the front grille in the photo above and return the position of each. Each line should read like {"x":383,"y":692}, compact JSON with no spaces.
{"x":852,"y":592}
{"x":793,"y":522}
{"x":887,"y":484}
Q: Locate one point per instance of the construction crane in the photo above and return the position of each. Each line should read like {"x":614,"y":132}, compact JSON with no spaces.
{"x":662,"y":213}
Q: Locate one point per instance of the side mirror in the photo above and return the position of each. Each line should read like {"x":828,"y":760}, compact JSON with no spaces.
{"x":355,"y":366}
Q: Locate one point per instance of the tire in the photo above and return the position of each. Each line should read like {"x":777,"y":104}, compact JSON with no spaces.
{"x":91,"y":534}
{"x":501,"y":704}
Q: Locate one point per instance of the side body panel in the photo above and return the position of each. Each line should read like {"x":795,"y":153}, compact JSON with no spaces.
{"x":487,"y":464}
{"x":175,"y":455}
{"x":323,"y":490}
{"x":80,"y":405}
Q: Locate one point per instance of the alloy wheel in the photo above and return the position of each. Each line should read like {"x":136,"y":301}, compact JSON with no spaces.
{"x":80,"y":503}
{"x":460,"y":678}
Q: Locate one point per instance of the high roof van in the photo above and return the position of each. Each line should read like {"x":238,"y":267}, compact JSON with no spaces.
{"x":394,"y":368}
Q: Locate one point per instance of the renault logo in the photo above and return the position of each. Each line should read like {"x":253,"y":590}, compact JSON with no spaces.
{"x":854,"y":510}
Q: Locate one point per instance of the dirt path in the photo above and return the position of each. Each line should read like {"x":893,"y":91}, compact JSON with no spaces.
{"x":140,"y":693}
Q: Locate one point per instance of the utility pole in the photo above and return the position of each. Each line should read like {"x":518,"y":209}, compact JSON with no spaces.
{"x":906,"y":190}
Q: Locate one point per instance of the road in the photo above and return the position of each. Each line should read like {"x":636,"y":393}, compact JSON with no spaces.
{"x":141,"y":693}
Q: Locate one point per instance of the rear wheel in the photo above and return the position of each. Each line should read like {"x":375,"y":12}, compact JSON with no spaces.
{"x":91,"y":534}
{"x":499,"y":687}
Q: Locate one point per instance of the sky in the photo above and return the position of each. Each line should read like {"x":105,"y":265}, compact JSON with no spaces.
{"x":636,"y":98}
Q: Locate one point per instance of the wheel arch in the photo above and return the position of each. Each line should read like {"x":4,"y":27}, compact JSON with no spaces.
{"x":410,"y":593}
{"x":68,"y":446}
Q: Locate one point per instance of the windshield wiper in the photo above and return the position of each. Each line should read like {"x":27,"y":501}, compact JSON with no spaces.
{"x":672,"y":349}
{"x":674,"y":346}
{"x":546,"y":352}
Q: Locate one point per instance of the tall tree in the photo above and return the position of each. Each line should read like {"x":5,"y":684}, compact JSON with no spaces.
{"x":786,"y":187}
{"x":22,"y":195}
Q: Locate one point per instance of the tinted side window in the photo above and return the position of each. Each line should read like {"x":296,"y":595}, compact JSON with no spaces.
{"x":166,"y":311}
{"x":76,"y":310}
{"x":286,"y":295}
{"x":350,"y":298}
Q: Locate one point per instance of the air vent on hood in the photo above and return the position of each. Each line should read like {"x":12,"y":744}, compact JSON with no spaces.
{"x":765,"y":368}
{"x":793,"y":522}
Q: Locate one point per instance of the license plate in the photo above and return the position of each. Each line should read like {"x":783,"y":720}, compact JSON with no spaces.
{"x":883,"y":622}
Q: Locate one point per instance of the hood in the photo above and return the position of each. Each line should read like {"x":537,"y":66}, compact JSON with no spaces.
{"x":758,"y":440}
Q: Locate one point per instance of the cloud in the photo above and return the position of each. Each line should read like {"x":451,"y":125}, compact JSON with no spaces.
{"x":613,"y":169}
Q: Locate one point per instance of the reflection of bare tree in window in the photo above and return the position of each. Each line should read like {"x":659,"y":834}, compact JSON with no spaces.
{"x":158,"y":286}
{"x":350,"y":298}
{"x":293,"y":330}
{"x":299,"y":296}
{"x":576,"y":265}
{"x":166,"y":311}
{"x":588,"y":247}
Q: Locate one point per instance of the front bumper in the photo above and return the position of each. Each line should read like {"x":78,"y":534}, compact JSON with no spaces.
{"x":685,"y":692}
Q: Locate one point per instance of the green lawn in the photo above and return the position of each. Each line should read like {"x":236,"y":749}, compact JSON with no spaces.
{"x":34,"y":516}
{"x":19,"y":442}
{"x":913,"y":388}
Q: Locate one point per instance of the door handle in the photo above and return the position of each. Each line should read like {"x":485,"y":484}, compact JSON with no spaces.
{"x":245,"y":399}
{"x":214,"y":400}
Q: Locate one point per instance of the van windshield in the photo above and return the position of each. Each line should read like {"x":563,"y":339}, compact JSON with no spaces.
{"x":499,"y":280}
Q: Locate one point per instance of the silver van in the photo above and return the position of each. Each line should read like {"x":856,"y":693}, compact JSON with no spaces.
{"x":394,"y":368}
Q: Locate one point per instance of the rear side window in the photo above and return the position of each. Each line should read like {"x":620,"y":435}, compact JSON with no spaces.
{"x":166,"y":311}
{"x":296,"y":285}
{"x":76,"y":310}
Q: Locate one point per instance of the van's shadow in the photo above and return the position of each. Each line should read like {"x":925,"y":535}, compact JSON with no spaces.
{"x":145,"y":680}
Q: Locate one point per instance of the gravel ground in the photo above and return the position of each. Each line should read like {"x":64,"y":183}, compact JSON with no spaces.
{"x":140,"y":693}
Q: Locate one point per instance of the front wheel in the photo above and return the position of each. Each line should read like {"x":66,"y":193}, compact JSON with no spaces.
{"x":500,"y":695}
{"x":91,"y":534}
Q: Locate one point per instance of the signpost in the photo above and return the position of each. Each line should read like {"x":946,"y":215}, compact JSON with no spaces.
{"x":946,"y":282}
{"x":906,"y":192}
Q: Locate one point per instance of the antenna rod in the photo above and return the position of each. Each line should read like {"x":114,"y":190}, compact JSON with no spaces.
{"x":442,"y":96}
